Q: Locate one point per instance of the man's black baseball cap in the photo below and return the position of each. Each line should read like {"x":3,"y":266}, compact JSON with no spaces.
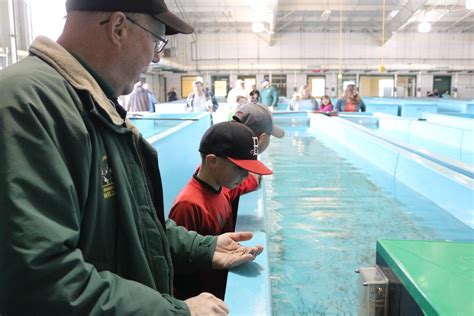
{"x":155,"y":8}
{"x":237,"y":143}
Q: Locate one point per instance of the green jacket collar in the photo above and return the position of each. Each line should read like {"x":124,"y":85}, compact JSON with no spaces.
{"x":78,"y":76}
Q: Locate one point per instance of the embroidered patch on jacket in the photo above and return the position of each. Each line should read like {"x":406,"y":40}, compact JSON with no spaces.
{"x":108,"y":185}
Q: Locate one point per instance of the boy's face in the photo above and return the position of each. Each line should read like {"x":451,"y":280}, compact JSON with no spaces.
{"x":242,"y":100}
{"x":228,"y":174}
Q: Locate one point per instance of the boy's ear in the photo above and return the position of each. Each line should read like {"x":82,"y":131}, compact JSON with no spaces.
{"x":210,"y":159}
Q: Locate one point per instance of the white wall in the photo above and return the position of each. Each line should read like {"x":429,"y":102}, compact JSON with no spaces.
{"x":291,"y":51}
{"x":173,"y":81}
{"x":465,"y":85}
{"x":297,"y":54}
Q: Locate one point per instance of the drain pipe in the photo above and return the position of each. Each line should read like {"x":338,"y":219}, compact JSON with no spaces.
{"x":418,"y":88}
{"x":395,"y":90}
{"x":455,"y":86}
{"x":11,"y":19}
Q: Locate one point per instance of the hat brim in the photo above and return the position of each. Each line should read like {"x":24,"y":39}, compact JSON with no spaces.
{"x":254,"y":166}
{"x":174,"y":24}
{"x":277,"y":131}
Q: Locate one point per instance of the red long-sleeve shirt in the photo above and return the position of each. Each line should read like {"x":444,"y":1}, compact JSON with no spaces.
{"x":201,"y":208}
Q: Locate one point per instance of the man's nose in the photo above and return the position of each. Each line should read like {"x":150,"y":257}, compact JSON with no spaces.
{"x":156,"y":58}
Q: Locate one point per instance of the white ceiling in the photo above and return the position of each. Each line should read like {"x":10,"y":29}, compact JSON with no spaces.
{"x":278,"y":16}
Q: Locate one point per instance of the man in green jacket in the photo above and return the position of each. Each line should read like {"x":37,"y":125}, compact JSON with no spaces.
{"x":269,"y":95}
{"x":82,"y":229}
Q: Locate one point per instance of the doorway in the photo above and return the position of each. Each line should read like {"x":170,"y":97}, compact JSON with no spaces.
{"x":442,"y":84}
{"x":220,"y":85}
{"x":317,"y":85}
{"x":406,"y":86}
{"x":376,"y":86}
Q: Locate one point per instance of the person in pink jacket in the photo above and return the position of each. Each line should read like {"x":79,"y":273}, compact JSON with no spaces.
{"x":326,"y":104}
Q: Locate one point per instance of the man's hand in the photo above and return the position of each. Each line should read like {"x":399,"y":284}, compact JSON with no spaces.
{"x":206,"y":304}
{"x":229,"y":253}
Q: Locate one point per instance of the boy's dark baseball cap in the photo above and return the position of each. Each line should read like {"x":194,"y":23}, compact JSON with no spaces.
{"x":155,"y":8}
{"x":237,"y":143}
{"x":259,"y":118}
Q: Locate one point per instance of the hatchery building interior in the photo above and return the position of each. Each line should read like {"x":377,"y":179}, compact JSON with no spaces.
{"x":235,"y":157}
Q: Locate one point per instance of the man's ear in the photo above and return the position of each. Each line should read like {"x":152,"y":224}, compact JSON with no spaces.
{"x":118,"y":27}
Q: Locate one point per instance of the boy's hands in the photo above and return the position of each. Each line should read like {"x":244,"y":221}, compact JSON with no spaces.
{"x":229,"y":253}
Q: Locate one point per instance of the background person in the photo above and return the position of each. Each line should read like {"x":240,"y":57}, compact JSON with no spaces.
{"x":172,"y":96}
{"x":326,"y":104}
{"x":254,"y":94}
{"x":82,"y":228}
{"x":151,"y":97}
{"x":237,"y":90}
{"x":303,"y":100}
{"x":350,"y":101}
{"x":139,"y":100}
{"x":241,"y":100}
{"x":199,"y":100}
{"x":269,"y":95}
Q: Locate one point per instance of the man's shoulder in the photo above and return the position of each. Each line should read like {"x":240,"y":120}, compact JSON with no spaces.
{"x":29,"y":70}
{"x":30,"y":79}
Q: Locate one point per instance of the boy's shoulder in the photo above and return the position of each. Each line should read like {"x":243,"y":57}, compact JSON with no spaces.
{"x":195,"y":192}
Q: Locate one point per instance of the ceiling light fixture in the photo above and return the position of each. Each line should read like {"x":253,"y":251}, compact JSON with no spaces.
{"x":424,"y":27}
{"x":258,"y":27}
{"x":325,"y":15}
{"x":470,"y":4}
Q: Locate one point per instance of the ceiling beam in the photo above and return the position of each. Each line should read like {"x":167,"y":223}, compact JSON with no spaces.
{"x":283,"y":18}
{"x":401,"y":19}
{"x":459,"y":20}
{"x":273,"y":22}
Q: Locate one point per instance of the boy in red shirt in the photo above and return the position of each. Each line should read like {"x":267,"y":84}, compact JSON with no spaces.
{"x":229,"y":152}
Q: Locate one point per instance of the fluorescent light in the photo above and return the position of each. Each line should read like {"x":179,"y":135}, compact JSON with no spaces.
{"x":325,"y":15}
{"x":470,"y":4}
{"x":258,"y":27}
{"x":424,"y":27}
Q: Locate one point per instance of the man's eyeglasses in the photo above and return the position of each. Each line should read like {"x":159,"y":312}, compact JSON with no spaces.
{"x":160,"y":42}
